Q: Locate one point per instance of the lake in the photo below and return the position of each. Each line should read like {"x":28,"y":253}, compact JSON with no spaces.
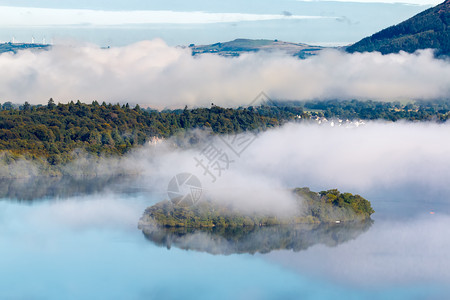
{"x":79,"y":239}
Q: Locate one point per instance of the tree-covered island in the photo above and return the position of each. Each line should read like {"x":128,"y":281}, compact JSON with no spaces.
{"x":325,"y":207}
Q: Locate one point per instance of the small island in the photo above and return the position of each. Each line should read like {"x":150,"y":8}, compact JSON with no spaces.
{"x":329,"y":206}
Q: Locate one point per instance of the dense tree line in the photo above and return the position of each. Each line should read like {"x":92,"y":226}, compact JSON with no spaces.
{"x":54,"y":130}
{"x":375,"y":110}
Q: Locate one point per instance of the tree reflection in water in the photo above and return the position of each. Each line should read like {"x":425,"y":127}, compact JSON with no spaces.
{"x":228,"y":240}
{"x":35,"y":188}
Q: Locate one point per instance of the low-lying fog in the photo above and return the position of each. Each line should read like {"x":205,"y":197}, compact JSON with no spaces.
{"x":402,"y":168}
{"x":255,"y":170}
{"x":151,"y":73}
{"x":358,"y":160}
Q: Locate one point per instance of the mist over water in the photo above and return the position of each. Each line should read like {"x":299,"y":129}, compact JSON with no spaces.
{"x":376,"y":157}
{"x":86,"y":225}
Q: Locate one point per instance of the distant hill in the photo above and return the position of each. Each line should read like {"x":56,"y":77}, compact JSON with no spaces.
{"x":239,"y":46}
{"x":14,"y":47}
{"x":429,"y":29}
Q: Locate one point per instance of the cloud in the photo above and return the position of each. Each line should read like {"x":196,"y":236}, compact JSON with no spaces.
{"x":31,"y":16}
{"x":154,"y":74}
{"x":408,"y":247}
{"x":376,"y":154}
{"x":389,"y":156}
{"x":364,"y":160}
{"x":407,"y":2}
{"x":392,"y":254}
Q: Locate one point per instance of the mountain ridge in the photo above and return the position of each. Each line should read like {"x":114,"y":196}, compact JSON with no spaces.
{"x":428,"y":29}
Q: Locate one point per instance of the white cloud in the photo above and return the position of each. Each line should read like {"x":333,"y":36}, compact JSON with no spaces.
{"x":357,"y":160}
{"x":352,"y":159}
{"x":152,"y":73}
{"x":31,"y":16}
{"x":410,"y":2}
{"x":374,"y":155}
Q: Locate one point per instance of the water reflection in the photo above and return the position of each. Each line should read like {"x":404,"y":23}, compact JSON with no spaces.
{"x":255,"y":239}
{"x":61,"y":187}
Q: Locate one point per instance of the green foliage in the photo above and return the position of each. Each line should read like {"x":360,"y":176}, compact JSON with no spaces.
{"x":53,"y":131}
{"x":332,"y":205}
{"x":437,"y":110}
{"x":326,"y":206}
{"x":429,"y":29}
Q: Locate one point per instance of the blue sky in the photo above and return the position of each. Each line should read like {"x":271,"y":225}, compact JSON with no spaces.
{"x":118,"y":23}
{"x":143,"y":67}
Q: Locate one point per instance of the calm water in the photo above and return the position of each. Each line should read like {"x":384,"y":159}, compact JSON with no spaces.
{"x":82,"y":242}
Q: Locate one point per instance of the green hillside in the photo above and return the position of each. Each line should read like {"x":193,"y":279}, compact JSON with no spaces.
{"x":429,"y":29}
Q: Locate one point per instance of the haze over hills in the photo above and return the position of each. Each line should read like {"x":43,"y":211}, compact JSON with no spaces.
{"x":239,"y":46}
{"x":429,"y":29}
{"x":231,"y":48}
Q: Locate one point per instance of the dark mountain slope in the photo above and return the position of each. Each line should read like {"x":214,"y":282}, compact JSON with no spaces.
{"x":429,"y":29}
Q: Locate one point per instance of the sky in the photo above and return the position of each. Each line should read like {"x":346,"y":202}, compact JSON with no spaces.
{"x":144,"y":64}
{"x":118,"y":23}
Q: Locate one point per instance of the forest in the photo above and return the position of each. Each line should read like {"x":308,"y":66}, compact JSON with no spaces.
{"x":52,"y":132}
{"x":428,"y":29}
{"x":324,"y":207}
